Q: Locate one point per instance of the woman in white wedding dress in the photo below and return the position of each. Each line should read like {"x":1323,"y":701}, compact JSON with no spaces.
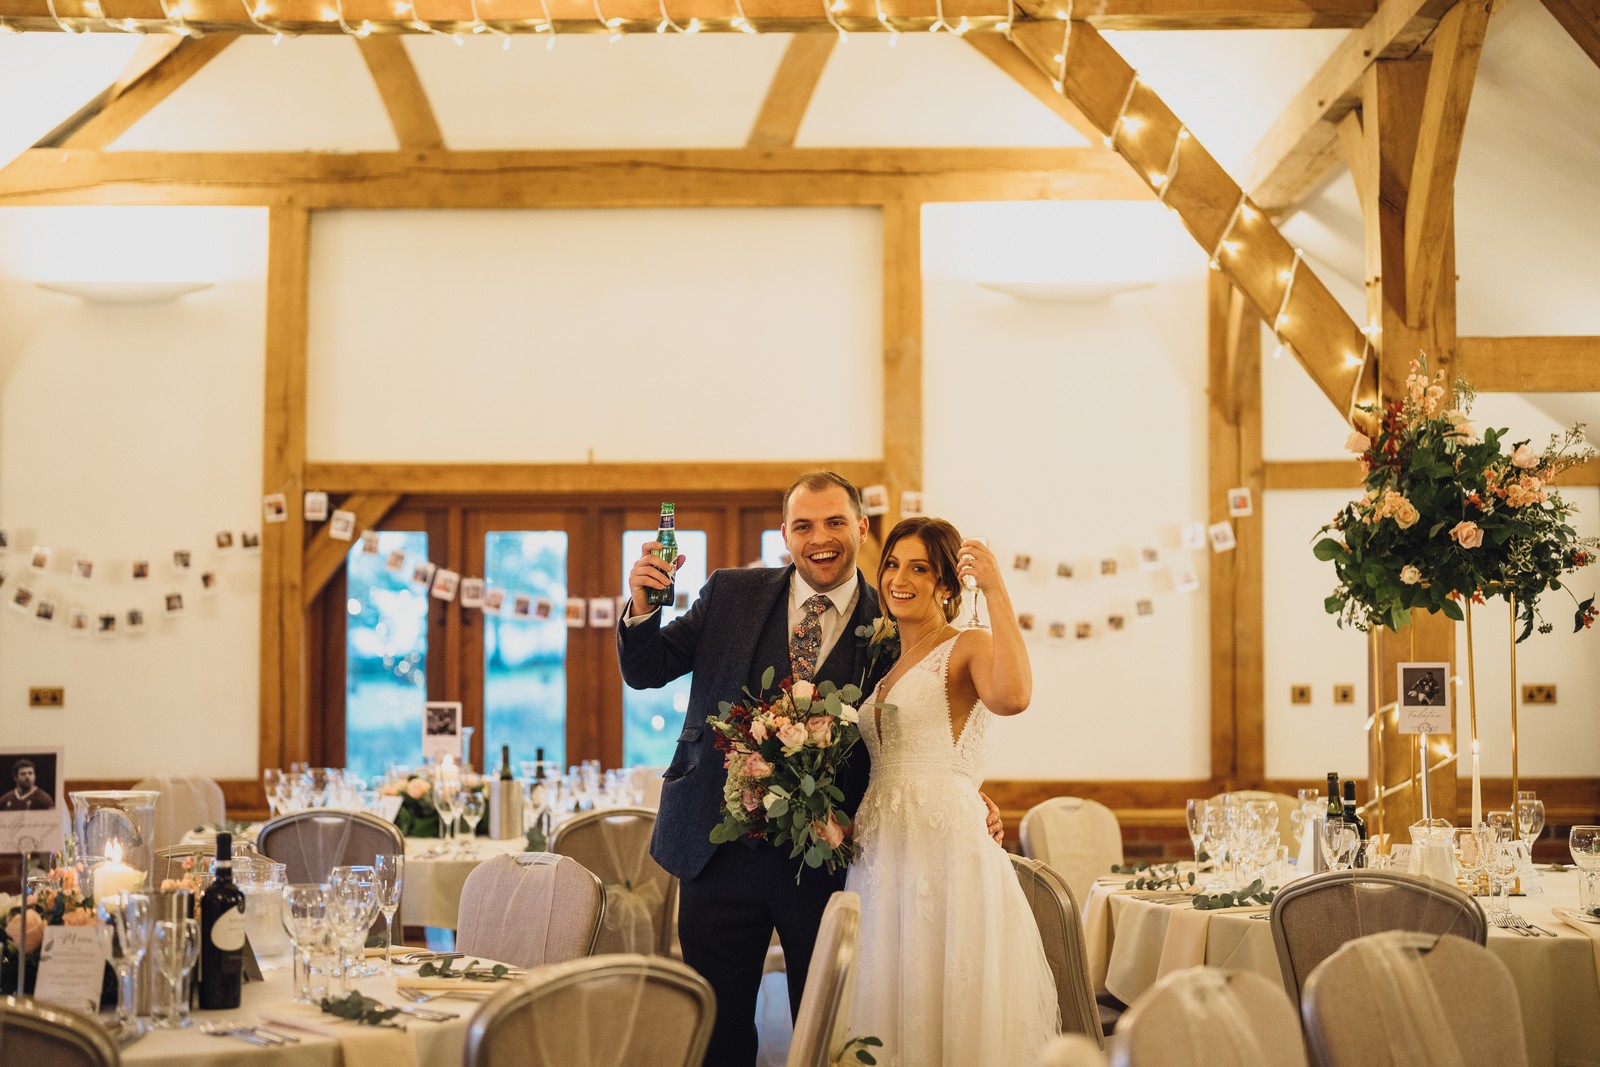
{"x":950,"y":970}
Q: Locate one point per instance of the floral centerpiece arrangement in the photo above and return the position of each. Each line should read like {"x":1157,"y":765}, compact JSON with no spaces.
{"x":1448,"y":514}
{"x":58,"y":902}
{"x":417,"y":816}
{"x":783,"y":756}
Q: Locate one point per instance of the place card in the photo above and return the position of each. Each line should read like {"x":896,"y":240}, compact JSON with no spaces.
{"x":1424,"y":697}
{"x":72,"y":965}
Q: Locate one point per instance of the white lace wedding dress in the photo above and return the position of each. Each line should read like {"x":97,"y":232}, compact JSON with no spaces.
{"x":950,"y":970}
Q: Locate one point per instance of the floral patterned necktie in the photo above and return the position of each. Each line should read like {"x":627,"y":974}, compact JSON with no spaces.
{"x":806,"y":640}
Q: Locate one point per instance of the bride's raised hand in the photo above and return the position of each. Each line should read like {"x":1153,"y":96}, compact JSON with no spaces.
{"x":975,"y":560}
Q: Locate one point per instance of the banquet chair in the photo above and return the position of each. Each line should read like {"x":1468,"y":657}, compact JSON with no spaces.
{"x":187,"y":801}
{"x":1313,"y":916}
{"x":641,"y":897}
{"x":1080,"y":839}
{"x":311,"y":843}
{"x":1072,"y":1050}
{"x":647,"y":780}
{"x":1287,"y":806}
{"x":824,"y":1017}
{"x":1205,"y":1017}
{"x":644,"y":1011}
{"x":1402,"y":997}
{"x":33,"y":1034}
{"x":1055,"y":910}
{"x":530,"y":909}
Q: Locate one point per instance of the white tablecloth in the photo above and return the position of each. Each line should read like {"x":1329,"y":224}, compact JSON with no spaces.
{"x":1127,"y":938}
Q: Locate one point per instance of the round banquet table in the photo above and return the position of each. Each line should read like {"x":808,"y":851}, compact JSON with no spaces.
{"x":1134,"y":938}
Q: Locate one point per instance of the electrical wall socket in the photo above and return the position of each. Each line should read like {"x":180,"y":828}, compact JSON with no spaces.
{"x":1344,"y":694}
{"x":41,"y":696}
{"x":1299,"y":694}
{"x":1538,"y":694}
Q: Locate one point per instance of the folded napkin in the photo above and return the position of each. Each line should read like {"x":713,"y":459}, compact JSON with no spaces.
{"x":453,"y":985}
{"x":1185,"y":945}
{"x":1575,"y":919}
{"x":361,"y":1046}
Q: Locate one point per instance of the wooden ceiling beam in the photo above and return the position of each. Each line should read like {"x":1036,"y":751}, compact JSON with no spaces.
{"x":599,"y":478}
{"x":1009,"y":58}
{"x":395,"y":76}
{"x":325,"y":554}
{"x":642,"y":16}
{"x":1294,"y":156}
{"x":1145,"y":132}
{"x":738,"y":177}
{"x":1530,"y":364}
{"x":1430,"y":206}
{"x":157,"y":69}
{"x":790,"y":92}
{"x":1581,"y":20}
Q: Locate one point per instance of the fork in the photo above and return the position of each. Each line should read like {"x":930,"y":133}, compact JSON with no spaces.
{"x":249,"y":1034}
{"x":1511,"y":922}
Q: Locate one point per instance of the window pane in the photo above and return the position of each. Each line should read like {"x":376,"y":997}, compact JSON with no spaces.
{"x":525,"y":656}
{"x":774,"y":553}
{"x":386,"y":655}
{"x":652,"y":718}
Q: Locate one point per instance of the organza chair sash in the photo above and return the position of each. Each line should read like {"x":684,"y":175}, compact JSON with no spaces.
{"x":1417,"y":1034}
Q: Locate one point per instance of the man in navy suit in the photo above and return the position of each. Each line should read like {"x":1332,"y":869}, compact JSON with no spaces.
{"x":734,"y":895}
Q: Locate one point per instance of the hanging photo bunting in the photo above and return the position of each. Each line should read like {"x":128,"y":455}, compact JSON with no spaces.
{"x":369,"y":542}
{"x":275,"y":508}
{"x":39,"y":559}
{"x":343,"y":526}
{"x":444,"y":585}
{"x":472,"y":592}
{"x":315,"y":508}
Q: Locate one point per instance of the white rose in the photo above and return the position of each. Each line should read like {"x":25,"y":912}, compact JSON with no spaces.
{"x":1410,"y":575}
{"x":849,"y":715}
{"x":768,"y":800}
{"x":1525,"y":457}
{"x":803,"y":690}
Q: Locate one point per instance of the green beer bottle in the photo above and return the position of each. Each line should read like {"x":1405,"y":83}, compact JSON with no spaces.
{"x":667,"y":536}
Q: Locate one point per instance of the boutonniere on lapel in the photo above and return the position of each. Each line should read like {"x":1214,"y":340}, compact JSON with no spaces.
{"x":882,"y":638}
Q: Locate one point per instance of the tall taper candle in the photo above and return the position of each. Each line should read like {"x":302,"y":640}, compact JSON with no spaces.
{"x":1477,"y":788}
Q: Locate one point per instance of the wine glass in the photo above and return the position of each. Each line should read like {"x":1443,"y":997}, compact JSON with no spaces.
{"x":1504,"y":860}
{"x":352,"y":907}
{"x":1584,"y":843}
{"x":388,"y":871}
{"x":1530,"y":818}
{"x":272,"y":782}
{"x":447,"y":802}
{"x":177,"y":950}
{"x":1471,"y":847}
{"x":1339,"y":841}
{"x":305,"y":917}
{"x":1195,"y":810}
{"x":473,"y":807}
{"x":969,"y":582}
{"x":1502,"y":823}
{"x":129,"y":916}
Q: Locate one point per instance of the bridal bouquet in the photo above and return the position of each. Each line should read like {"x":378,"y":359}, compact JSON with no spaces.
{"x":783,"y":755}
{"x":1448,"y":514}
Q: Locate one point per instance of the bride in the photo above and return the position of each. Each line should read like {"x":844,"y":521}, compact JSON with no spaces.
{"x":951,"y":971}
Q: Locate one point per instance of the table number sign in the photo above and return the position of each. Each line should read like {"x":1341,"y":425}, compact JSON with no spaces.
{"x":441,"y":729}
{"x":1424,"y":698}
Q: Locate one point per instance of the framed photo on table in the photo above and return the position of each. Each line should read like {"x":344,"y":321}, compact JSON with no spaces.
{"x":441,"y":729}
{"x":33,"y":806}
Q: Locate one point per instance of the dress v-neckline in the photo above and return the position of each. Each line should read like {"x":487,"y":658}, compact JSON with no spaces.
{"x":883,"y":695}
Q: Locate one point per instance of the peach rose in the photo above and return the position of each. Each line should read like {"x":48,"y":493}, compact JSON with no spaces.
{"x":1410,"y":575}
{"x":35,"y":930}
{"x":751,"y":799}
{"x":1467,"y":534}
{"x":831,"y":832}
{"x":1405,"y":514}
{"x":756,"y":767}
{"x":1525,"y":457}
{"x":417,"y":788}
{"x":77,"y":917}
{"x":819,"y":731}
{"x":791,"y":736}
{"x":758,"y":731}
{"x":1357,"y":442}
{"x":803,"y":690}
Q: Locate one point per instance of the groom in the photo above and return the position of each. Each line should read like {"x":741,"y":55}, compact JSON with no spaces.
{"x":801,"y":621}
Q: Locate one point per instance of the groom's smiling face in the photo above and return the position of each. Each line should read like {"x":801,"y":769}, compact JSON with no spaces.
{"x":823,"y":534}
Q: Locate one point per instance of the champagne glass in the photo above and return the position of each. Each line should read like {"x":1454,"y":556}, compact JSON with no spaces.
{"x":388,"y":871}
{"x":970,"y":584}
{"x":1195,"y":810}
{"x":473,"y":807}
{"x":1530,"y":818}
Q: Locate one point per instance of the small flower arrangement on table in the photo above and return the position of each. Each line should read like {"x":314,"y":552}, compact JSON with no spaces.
{"x":783,"y":756}
{"x":1448,"y":514}
{"x":417,"y":816}
{"x":58,"y":902}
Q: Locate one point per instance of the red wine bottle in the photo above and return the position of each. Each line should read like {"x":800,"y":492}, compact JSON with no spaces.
{"x":222,"y":934}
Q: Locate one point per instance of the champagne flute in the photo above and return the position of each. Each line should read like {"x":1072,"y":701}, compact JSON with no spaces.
{"x":388,"y":870}
{"x":969,"y":582}
{"x":1196,"y":814}
{"x":473,"y":807}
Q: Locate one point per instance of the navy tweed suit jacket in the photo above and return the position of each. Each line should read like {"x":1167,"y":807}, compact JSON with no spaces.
{"x":717,"y":639}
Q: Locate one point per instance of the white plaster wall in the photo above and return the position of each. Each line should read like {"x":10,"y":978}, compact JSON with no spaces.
{"x":127,"y":433}
{"x":611,"y":335}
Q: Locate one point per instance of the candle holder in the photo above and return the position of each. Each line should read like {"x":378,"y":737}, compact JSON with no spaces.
{"x":124,"y":817}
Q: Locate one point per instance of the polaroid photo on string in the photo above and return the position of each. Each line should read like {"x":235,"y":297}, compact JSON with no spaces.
{"x":33,"y":810}
{"x":395,"y":561}
{"x":182,"y":561}
{"x":1025,"y":621}
{"x":522,"y":606}
{"x":105,"y":624}
{"x":1065,"y":570}
{"x":441,"y":729}
{"x":208,"y":581}
{"x":1149,"y":558}
{"x":134,"y":620}
{"x":369,"y":542}
{"x":1239,"y":503}
{"x":874,"y":500}
{"x":45,"y":611}
{"x":21,"y":600}
{"x":577,"y":612}
{"x":174,"y":603}
{"x":1108,"y":567}
{"x":1424,"y":697}
{"x":3,"y":577}
{"x":422,"y":574}
{"x":1185,"y":579}
{"x":275,"y":508}
{"x":911,"y":503}
{"x":444,"y":585}
{"x":1083,"y":630}
{"x":39,"y":559}
{"x":680,"y":602}
{"x":602,"y":612}
{"x":1116,"y":622}
{"x":1058,"y":631}
{"x":492,"y":601}
{"x":1221,"y":534}
{"x":1144,"y":609}
{"x":544,"y":609}
{"x":140,"y":570}
{"x":78,"y":622}
{"x":1021,"y":561}
{"x":83,"y":569}
{"x":1192,"y":535}
{"x":5,"y":541}
{"x":472,"y":592}
{"x":343,"y":525}
{"x":250,"y":540}
{"x":224,"y":540}
{"x":315,"y":506}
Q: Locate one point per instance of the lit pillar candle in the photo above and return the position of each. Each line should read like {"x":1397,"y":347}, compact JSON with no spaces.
{"x":1477,"y":788}
{"x":113,"y":876}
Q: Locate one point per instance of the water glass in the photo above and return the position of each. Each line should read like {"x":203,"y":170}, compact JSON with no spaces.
{"x":1530,"y":818}
{"x":177,"y":948}
{"x":129,"y":916}
{"x":1338,"y":844}
{"x":305,"y":919}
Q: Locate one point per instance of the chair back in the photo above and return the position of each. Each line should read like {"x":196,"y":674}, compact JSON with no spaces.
{"x":34,"y":1034}
{"x":186,"y":801}
{"x":1312,"y":917}
{"x":824,"y":1017}
{"x":1404,"y":998}
{"x":647,"y":782}
{"x":1055,"y":910}
{"x":1072,"y":1050}
{"x":1287,"y":806}
{"x":600,"y":1011}
{"x":641,"y":897}
{"x":312,"y":843}
{"x":529,"y":910}
{"x":1080,"y":839}
{"x":1205,"y":1017}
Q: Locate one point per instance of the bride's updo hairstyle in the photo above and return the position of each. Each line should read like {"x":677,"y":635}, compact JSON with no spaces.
{"x":943,"y":544}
